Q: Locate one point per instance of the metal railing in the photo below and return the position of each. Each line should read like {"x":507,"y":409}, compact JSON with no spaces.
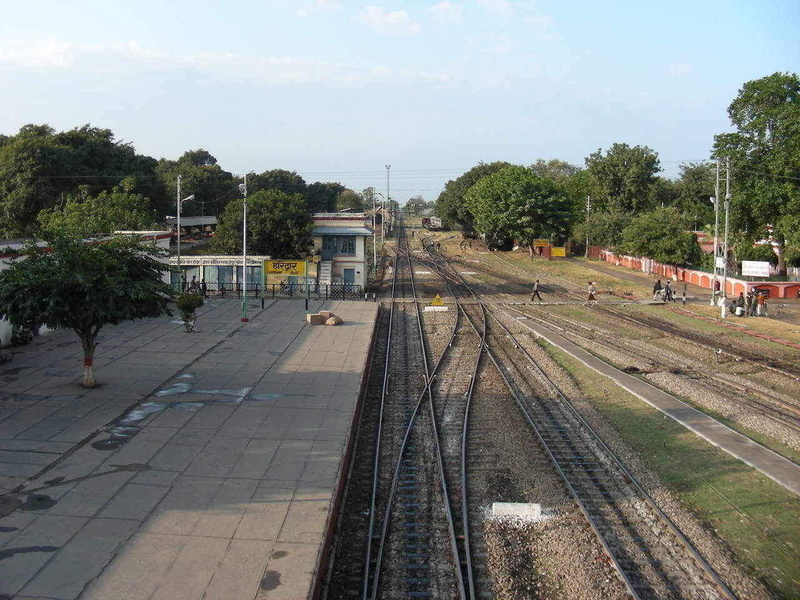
{"x":332,"y":291}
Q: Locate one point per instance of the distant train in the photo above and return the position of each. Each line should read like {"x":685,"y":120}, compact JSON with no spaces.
{"x":432,"y":223}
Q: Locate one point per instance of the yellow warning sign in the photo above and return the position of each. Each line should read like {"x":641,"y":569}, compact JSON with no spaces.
{"x":437,"y":301}
{"x":556,"y":252}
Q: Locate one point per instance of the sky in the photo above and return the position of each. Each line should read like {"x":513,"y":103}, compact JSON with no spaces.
{"x":337,"y":90}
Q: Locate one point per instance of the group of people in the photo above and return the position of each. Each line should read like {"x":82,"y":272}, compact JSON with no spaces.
{"x":664,"y":293}
{"x":751,"y":305}
{"x":592,"y":290}
{"x":196,"y":287}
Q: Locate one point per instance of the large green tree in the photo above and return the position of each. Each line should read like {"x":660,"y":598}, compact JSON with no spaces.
{"x":662,"y":235}
{"x":515,"y":203}
{"x":450,"y":204}
{"x":211,"y":185}
{"x":765,"y":159}
{"x":602,"y":229}
{"x":321,"y":196}
{"x":40,"y":167}
{"x":278,"y":225}
{"x":282,"y":180}
{"x":86,"y":216}
{"x":694,"y":188}
{"x":623,"y":177}
{"x":79,"y":286}
{"x":350,"y":200}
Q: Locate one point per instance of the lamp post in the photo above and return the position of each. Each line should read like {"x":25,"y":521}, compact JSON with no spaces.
{"x":388,"y":197}
{"x":374,"y":227}
{"x":179,"y":203}
{"x":715,"y":202}
{"x":243,"y":189}
{"x":588,"y":208}
{"x":728,"y":197}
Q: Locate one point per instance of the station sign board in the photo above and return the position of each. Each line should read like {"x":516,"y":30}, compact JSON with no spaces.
{"x":558,"y":252}
{"x":217,"y":261}
{"x":285,"y":267}
{"x":755,"y":268}
{"x":541,"y":243}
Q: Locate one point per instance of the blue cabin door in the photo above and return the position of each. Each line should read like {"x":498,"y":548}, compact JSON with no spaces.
{"x":349,"y":276}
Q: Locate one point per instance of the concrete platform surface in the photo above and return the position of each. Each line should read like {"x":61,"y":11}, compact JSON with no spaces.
{"x":203,"y":465}
{"x":774,"y":466}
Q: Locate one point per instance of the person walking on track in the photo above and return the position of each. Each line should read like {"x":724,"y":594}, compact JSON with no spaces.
{"x":535,"y":292}
{"x":592,"y":291}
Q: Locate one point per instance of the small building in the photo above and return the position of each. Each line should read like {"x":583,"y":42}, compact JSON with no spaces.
{"x":340,"y":243}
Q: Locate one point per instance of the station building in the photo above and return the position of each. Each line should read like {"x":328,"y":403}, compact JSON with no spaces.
{"x":340,"y":247}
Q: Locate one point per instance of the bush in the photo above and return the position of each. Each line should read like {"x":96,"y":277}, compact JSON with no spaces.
{"x":187,"y":304}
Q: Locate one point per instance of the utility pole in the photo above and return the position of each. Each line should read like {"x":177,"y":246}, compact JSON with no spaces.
{"x":178,"y":202}
{"x":243,"y":189}
{"x":388,"y":197}
{"x":728,"y":197}
{"x":715,"y":200}
{"x":588,"y":208}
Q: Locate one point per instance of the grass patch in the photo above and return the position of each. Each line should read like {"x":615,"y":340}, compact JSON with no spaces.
{"x":757,"y":518}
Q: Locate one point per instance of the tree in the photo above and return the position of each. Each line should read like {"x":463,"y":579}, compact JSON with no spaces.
{"x":450,"y":204}
{"x":31,"y":167}
{"x":200,"y":174}
{"x":278,"y":225}
{"x":602,"y":229}
{"x":623,"y":176}
{"x":765,"y":157}
{"x":83,"y":287}
{"x":40,"y":167}
{"x":284,"y":181}
{"x":349,"y":200}
{"x":415,"y":204}
{"x":694,"y":188}
{"x":321,"y":196}
{"x":661,"y":235}
{"x":559,"y":171}
{"x":85,"y":216}
{"x":515,"y":203}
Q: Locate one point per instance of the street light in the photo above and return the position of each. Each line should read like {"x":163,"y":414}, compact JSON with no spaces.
{"x":374,"y":239}
{"x":243,"y":189}
{"x":180,"y":202}
{"x":716,"y":253}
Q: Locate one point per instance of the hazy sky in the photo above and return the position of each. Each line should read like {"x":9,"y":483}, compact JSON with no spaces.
{"x":337,"y":90}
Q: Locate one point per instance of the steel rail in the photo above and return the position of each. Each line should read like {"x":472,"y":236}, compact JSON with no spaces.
{"x":464,"y":431}
{"x":786,"y":413}
{"x":705,"y":566}
{"x":387,"y":514}
{"x":376,"y":464}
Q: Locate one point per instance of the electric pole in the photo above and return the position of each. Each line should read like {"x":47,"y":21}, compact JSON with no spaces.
{"x":728,"y":197}
{"x":588,"y":208}
{"x":383,"y":220}
{"x":715,"y":200}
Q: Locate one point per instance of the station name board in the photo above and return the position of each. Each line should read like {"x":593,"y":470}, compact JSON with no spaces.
{"x":541,"y":243}
{"x":285,"y":267}
{"x":218,"y":261}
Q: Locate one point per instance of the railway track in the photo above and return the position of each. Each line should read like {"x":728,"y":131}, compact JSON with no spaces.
{"x":652,"y":556}
{"x":769,"y":405}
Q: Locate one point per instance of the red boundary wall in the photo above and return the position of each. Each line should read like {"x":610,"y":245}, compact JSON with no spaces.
{"x":777,"y":289}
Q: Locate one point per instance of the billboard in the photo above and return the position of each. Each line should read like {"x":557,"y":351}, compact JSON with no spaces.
{"x":755,"y":268}
{"x":556,"y":252}
{"x":541,"y":243}
{"x":285,"y":267}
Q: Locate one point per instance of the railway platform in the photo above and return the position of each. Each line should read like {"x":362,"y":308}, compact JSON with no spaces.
{"x":203,"y":465}
{"x":781,"y":470}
